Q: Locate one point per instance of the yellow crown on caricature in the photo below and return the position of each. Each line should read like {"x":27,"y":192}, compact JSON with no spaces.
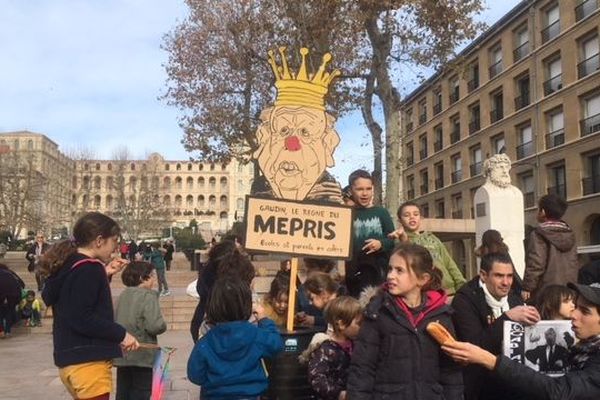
{"x":302,"y":89}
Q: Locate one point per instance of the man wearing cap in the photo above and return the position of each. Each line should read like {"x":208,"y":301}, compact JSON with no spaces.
{"x":583,"y":379}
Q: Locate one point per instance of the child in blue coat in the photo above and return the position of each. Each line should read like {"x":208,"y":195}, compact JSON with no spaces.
{"x":226,"y":362}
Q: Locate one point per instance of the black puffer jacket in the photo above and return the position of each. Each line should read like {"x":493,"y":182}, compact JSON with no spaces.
{"x":394,"y":360}
{"x":578,"y":384}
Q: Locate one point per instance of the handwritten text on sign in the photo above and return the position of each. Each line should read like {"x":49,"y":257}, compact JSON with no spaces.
{"x":290,"y":227}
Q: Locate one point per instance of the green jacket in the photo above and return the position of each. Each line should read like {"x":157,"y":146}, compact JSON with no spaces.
{"x":138,"y":311}
{"x":453,"y":278}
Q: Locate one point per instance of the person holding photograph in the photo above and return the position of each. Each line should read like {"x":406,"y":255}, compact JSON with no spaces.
{"x":582,"y":381}
{"x":550,"y":357}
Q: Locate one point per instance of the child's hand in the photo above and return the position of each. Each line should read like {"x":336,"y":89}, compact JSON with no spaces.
{"x":258,"y":311}
{"x":342,"y":395}
{"x":115,"y":265}
{"x":129,"y":343}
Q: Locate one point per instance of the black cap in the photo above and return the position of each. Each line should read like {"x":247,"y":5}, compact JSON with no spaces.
{"x":589,"y":292}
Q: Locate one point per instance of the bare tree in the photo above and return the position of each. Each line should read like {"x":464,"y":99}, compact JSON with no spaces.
{"x":22,"y":189}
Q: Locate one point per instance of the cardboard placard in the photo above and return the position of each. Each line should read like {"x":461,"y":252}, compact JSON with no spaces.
{"x":298,"y":228}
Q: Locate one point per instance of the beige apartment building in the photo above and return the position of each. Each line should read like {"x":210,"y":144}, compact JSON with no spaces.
{"x":166,"y":193}
{"x":528,"y":87}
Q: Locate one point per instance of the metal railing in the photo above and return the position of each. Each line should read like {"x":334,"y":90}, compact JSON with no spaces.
{"x":409,"y":126}
{"x":555,"y":138}
{"x":522,"y":100}
{"x":551,"y":31}
{"x":496,"y":115}
{"x":524,"y":150}
{"x":474,"y":126}
{"x":495,"y":69}
{"x":456,"y":176}
{"x":410,"y":193}
{"x":437,"y":108}
{"x":410,"y":160}
{"x":423,"y":154}
{"x":439,"y":183}
{"x":590,"y":125}
{"x":521,"y":51}
{"x":475,"y":168}
{"x":559,"y":190}
{"x":472,"y":84}
{"x":422,"y":118}
{"x":454,"y":96}
{"x":437,"y":145}
{"x":458,"y":214}
{"x":454,"y":136}
{"x":586,"y":8}
{"x":591,"y":184}
{"x":529,"y":199}
{"x":553,"y":84}
{"x":424,"y":189}
{"x":588,"y":66}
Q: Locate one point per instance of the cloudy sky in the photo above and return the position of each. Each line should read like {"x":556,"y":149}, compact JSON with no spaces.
{"x":88,"y":73}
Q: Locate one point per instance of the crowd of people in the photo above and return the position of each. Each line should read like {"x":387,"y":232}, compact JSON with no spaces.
{"x":372,"y":341}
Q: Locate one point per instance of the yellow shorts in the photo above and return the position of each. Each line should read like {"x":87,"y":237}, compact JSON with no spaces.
{"x":87,"y":380}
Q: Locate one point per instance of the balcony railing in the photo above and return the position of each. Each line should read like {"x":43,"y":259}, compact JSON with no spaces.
{"x":458,"y":214}
{"x":409,"y":126}
{"x":454,"y":95}
{"x":524,"y":150}
{"x":422,"y":119}
{"x":559,"y":190}
{"x":437,"y":145}
{"x":590,"y":125}
{"x":410,"y":193}
{"x":551,"y":31}
{"x":454,"y":136}
{"x":529,"y":199}
{"x":439,"y":183}
{"x":588,"y":66}
{"x":555,"y":138}
{"x":553,"y":84}
{"x":424,"y":189}
{"x":496,"y":115}
{"x":521,"y":51}
{"x":495,"y":69}
{"x":410,"y":160}
{"x":475,"y":168}
{"x":591,"y":184}
{"x":587,"y":7}
{"x":472,"y":84}
{"x":423,"y":154}
{"x":456,"y":176}
{"x":522,"y":100}
{"x":474,"y":126}
{"x":437,"y":108}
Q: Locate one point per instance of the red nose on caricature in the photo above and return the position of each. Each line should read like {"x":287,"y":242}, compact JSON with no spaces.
{"x":292,"y":143}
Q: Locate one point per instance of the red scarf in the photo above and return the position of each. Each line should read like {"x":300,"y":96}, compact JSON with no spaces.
{"x":435,"y":300}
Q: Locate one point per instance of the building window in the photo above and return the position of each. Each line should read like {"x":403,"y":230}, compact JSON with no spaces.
{"x":497,"y":105}
{"x":189,"y":182}
{"x":212,"y":167}
{"x":522,"y":88}
{"x":423,"y":145}
{"x":521,"y":43}
{"x":591,"y":115}
{"x":439,"y":175}
{"x":499,"y":144}
{"x":556,"y":132}
{"x":178,"y":167}
{"x":424,"y":182}
{"x":212,"y":202}
{"x":454,"y":89}
{"x":475,"y":118}
{"x":591,"y":183}
{"x":473,"y":82}
{"x":201,"y":182}
{"x":476,"y":162}
{"x":557,"y":182}
{"x":410,"y":187}
{"x":457,"y":206}
{"x":422,"y":111}
{"x":167,"y":182}
{"x":410,"y":155}
{"x":97,"y":183}
{"x":437,"y":101}
{"x":455,"y":126}
{"x":590,"y":57}
{"x":212,"y":183}
{"x":240,"y":204}
{"x":409,"y":123}
{"x":440,"y":209}
{"x":425,"y":210}
{"x":528,"y":188}
{"x":223,"y":182}
{"x":178,"y":201}
{"x":456,"y":175}
{"x":553,"y":82}
{"x":189,"y":167}
{"x":495,"y":61}
{"x":189,"y":201}
{"x":525,"y":147}
{"x":201,"y":202}
{"x":551,"y":24}
{"x":167,"y":167}
{"x":132,"y":166}
{"x":438,"y":138}
{"x":585,"y":8}
{"x":178,"y":182}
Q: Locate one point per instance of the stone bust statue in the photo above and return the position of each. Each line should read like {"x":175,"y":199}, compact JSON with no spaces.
{"x":496,"y":170}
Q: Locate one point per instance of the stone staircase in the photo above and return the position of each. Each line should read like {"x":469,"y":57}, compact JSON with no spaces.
{"x":177,"y":309}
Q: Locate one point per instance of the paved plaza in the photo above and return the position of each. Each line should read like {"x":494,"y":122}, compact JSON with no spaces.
{"x":27,"y":371}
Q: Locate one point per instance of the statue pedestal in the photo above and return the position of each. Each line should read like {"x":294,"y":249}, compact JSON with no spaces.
{"x":502,"y":209}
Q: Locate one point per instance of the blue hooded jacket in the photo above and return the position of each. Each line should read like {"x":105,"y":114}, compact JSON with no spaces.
{"x":226,"y":362}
